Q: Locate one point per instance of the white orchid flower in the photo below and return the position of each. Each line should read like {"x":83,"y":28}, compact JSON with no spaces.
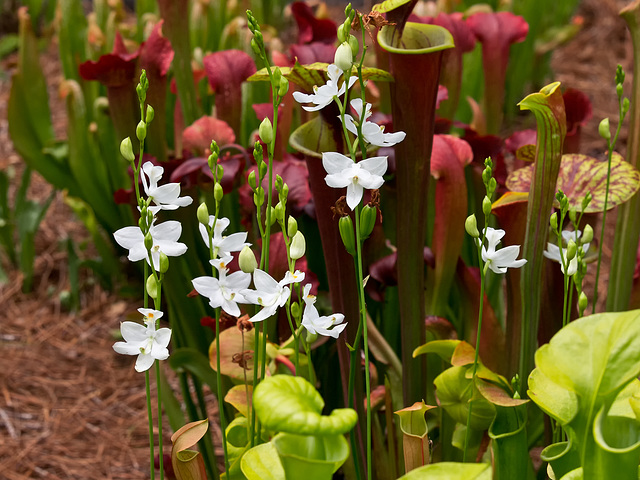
{"x":165,"y":239}
{"x":343,"y":172}
{"x":371,"y":132}
{"x":330,"y":326}
{"x":144,"y":340}
{"x":500,"y":260}
{"x":223,"y":245}
{"x":553,"y":251}
{"x":325,"y":94}
{"x":224,"y":291}
{"x":166,"y":197}
{"x":270,"y":294}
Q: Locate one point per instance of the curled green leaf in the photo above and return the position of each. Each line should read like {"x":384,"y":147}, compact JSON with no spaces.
{"x":291,"y":404}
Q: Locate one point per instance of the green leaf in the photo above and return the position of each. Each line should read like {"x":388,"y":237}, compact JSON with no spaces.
{"x":580,"y":174}
{"x":455,"y":390}
{"x":313,"y":457}
{"x":443,"y":348}
{"x":450,"y":471}
{"x":237,"y":396}
{"x":414,"y":429}
{"x":291,"y":404}
{"x":262,"y":463}
{"x":509,"y":443}
{"x":593,"y":360}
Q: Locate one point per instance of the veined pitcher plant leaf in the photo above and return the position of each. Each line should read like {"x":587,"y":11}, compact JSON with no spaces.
{"x":188,"y":464}
{"x":450,"y":471}
{"x":580,"y":174}
{"x":548,"y":107}
{"x":291,"y":404}
{"x":414,"y":435}
{"x":231,"y":343}
{"x":306,"y":76}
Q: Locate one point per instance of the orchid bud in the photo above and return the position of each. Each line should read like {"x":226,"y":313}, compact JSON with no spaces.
{"x":126,"y":150}
{"x":283,"y":87}
{"x":277,"y":75}
{"x":583,"y":301}
{"x":152,"y":286}
{"x":279,"y":212}
{"x":141,"y":131}
{"x":587,"y":234}
{"x":368,"y":217}
{"x":219,"y":172}
{"x":257,"y":35}
{"x":572,"y":249}
{"x":292,"y":226}
{"x":604,"y":130}
{"x":247,"y":260}
{"x":272,"y":216}
{"x":355,"y":46}
{"x":255,"y":47}
{"x":553,"y":221}
{"x":491,"y":187}
{"x":295,"y":310}
{"x":625,"y":106}
{"x":345,"y":226}
{"x":619,"y":90}
{"x":262,"y":168}
{"x":203,"y":214}
{"x":163,"y":263}
{"x":279,"y":182}
{"x":586,"y":201}
{"x":258,"y":196}
{"x":251,"y":180}
{"x":218,"y":192}
{"x":486,"y":206}
{"x":343,"y":57}
{"x":266,"y":131}
{"x":342,"y":35}
{"x":471,"y":226}
{"x":150,"y":114}
{"x":298,"y":246}
{"x":572,"y":215}
{"x":283,"y":194}
{"x":148,"y":241}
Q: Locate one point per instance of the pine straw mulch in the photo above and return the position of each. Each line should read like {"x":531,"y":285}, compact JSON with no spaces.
{"x":70,"y":408}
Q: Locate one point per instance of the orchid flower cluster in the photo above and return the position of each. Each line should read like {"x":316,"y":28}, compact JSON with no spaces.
{"x":149,"y":241}
{"x":570,"y":250}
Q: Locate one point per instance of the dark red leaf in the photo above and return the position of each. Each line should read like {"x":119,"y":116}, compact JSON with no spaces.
{"x":227,"y":69}
{"x":312,"y":53}
{"x":156,"y":53}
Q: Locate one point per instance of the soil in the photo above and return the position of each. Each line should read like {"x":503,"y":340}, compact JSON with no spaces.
{"x":71,"y":408}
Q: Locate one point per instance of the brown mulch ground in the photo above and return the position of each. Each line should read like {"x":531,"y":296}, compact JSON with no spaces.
{"x":70,"y":408}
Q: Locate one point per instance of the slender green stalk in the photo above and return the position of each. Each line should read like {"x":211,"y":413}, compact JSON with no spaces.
{"x":150,"y":417}
{"x":158,"y":393}
{"x":611,"y":145}
{"x":483,"y":270}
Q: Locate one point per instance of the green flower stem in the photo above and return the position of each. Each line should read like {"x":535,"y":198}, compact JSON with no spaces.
{"x":611,"y":145}
{"x":363,"y":322}
{"x":359,"y":271}
{"x":150,"y":417}
{"x":223,"y":419}
{"x":483,"y":274}
{"x":158,"y":393}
